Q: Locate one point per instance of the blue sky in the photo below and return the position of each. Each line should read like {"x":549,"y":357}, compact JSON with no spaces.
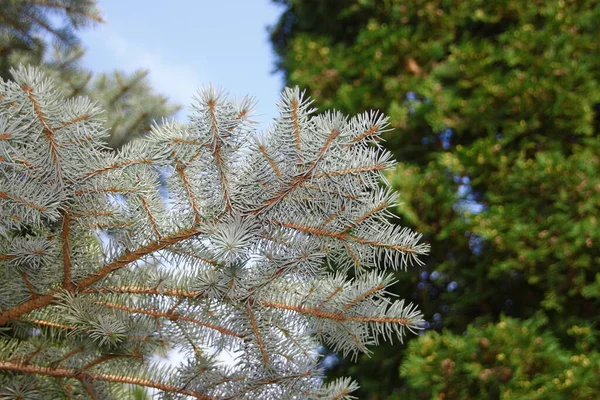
{"x":189,"y":44}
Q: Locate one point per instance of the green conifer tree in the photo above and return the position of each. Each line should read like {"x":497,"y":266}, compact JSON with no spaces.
{"x":497,"y":110}
{"x":43,"y":33}
{"x":248,"y":253}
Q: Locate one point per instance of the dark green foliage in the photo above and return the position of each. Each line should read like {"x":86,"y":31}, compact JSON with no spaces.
{"x":497,"y":110}
{"x":511,"y":359}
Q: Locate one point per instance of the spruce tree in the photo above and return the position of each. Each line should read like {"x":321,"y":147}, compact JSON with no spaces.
{"x":43,"y":33}
{"x":246,"y":251}
{"x":26,"y":27}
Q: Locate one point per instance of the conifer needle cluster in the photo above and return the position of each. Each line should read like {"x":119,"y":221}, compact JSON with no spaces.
{"x":205,"y":237}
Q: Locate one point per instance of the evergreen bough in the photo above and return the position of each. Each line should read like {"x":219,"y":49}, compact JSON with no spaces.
{"x":203,"y":237}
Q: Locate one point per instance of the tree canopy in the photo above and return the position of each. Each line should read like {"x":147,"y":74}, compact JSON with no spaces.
{"x":496,"y":107}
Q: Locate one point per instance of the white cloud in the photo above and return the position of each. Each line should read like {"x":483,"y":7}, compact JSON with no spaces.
{"x":179,"y":82}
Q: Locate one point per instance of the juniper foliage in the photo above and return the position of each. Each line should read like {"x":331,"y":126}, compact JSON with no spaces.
{"x":245,"y":252}
{"x":497,"y":105}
